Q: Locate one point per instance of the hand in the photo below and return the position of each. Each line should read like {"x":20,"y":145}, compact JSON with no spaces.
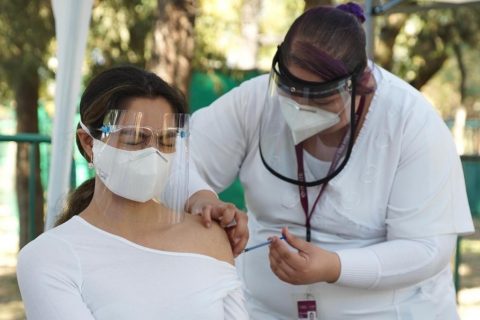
{"x":227,"y":215}
{"x":309,"y":265}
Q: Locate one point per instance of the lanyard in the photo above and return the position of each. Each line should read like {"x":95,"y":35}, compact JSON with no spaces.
{"x":302,"y":189}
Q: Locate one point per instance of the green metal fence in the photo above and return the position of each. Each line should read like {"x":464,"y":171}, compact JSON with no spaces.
{"x":34,"y":140}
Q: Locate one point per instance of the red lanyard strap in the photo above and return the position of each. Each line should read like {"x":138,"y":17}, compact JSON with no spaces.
{"x":302,"y":189}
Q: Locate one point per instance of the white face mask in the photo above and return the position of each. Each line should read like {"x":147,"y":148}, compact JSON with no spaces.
{"x":136,"y":175}
{"x":305,"y":121}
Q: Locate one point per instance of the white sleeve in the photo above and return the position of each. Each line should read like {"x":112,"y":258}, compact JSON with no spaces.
{"x":396,"y":263}
{"x":223,"y":132}
{"x":49,"y":278}
{"x":195,"y":182}
{"x":234,"y":305}
{"x":428,"y":195}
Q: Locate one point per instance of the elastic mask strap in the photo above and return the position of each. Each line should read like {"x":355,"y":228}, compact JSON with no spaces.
{"x":84,"y":127}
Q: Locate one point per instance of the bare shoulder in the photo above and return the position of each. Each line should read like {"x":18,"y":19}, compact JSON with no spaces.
{"x":211,"y":241}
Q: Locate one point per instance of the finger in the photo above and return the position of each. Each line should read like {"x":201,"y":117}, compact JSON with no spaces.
{"x":236,"y":241}
{"x":280,"y":252}
{"x":226,"y":214}
{"x":241,"y":228}
{"x":280,"y":249}
{"x":241,"y":243}
{"x":207,"y":215}
{"x":297,"y":243}
{"x":280,"y":274}
{"x":273,"y":251}
{"x":242,"y":222}
{"x":282,"y":270}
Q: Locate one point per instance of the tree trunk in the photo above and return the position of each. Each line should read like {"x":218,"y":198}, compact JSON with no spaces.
{"x":26,"y":97}
{"x":432,"y":46}
{"x":174,"y":42}
{"x":462,"y":87}
{"x":387,"y":37}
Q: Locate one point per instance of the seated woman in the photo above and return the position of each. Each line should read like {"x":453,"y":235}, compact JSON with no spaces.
{"x":124,"y":248}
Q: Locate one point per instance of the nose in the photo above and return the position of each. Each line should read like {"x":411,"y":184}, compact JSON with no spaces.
{"x":153,"y":141}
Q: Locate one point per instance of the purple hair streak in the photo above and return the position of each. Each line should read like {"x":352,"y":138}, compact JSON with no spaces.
{"x":315,"y":59}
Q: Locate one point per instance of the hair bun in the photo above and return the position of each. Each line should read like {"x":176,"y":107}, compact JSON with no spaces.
{"x":353,"y":8}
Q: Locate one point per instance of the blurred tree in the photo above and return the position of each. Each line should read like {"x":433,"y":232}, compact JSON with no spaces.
{"x":120,"y":33}
{"x":416,"y":46}
{"x":313,"y":3}
{"x":229,"y":33}
{"x":275,"y":19}
{"x":174,"y":42}
{"x":215,"y":27}
{"x":26,"y":29}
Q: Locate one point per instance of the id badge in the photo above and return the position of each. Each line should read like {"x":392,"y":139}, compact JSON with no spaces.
{"x":306,"y":306}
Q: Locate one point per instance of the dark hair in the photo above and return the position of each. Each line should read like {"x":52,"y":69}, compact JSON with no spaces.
{"x":114,"y":89}
{"x":329,"y":42}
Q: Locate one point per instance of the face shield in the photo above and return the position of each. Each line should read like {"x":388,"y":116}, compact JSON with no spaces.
{"x":142,"y":159}
{"x":309,"y":121}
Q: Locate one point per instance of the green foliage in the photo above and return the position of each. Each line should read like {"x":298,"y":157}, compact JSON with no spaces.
{"x":120,"y":32}
{"x":218,"y":27}
{"x":435,"y":50}
{"x":443,"y":90}
{"x":274,"y":23}
{"x":26,"y":30}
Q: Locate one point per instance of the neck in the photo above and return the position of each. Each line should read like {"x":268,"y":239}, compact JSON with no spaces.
{"x":129,"y":219}
{"x":323,"y":147}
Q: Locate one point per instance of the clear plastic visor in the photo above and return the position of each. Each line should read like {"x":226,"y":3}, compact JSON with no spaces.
{"x":314,"y":118}
{"x":141,"y":162}
{"x":333,"y":97}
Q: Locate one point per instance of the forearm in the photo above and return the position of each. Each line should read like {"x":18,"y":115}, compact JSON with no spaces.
{"x":395,"y":263}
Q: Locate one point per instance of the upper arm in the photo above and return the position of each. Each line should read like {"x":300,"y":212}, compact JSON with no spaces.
{"x":48,"y":275}
{"x":220,"y":244}
{"x":221,"y":133}
{"x":428,"y":194}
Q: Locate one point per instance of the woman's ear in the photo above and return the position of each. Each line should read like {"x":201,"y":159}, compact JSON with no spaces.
{"x":87,"y":143}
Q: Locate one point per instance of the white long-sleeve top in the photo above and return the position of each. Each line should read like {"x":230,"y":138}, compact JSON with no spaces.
{"x":77,"y":271}
{"x":392,"y":214}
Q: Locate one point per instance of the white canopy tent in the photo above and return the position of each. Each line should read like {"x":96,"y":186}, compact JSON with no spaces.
{"x":72,"y":19}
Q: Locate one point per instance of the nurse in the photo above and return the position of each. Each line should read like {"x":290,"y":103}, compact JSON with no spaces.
{"x":353,"y":166}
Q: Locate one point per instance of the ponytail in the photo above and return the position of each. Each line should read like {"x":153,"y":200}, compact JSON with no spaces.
{"x":77,"y":201}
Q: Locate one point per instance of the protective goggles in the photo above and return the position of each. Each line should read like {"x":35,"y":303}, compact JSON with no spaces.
{"x":128,"y":131}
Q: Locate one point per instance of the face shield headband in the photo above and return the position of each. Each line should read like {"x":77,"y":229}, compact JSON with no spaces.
{"x":294,"y":86}
{"x":279,"y":146}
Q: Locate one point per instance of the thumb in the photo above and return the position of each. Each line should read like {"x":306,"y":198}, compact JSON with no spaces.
{"x":297,"y":243}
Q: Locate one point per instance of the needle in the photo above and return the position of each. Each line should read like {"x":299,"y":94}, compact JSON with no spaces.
{"x":266,"y":243}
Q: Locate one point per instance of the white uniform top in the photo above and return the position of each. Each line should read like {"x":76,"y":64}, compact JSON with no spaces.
{"x":77,"y":271}
{"x":392,"y":214}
